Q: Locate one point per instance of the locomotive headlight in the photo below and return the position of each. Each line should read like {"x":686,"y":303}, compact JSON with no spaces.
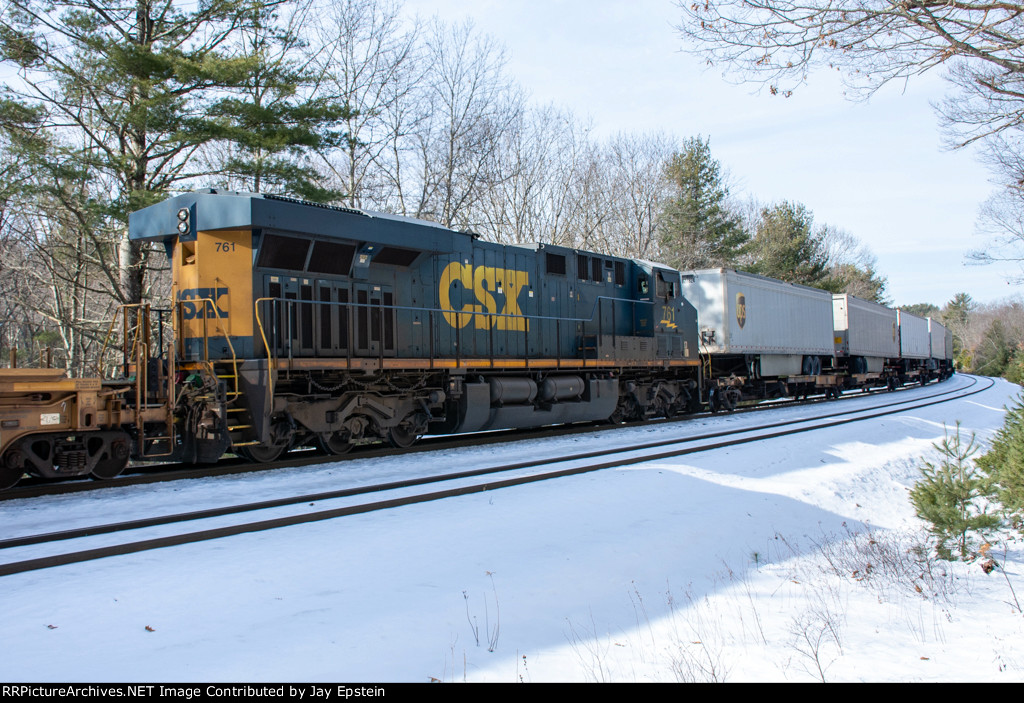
{"x":183,"y":223}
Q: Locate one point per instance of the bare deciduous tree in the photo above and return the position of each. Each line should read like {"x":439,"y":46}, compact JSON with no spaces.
{"x":470,"y":105}
{"x":638,"y":191}
{"x":779,"y":42}
{"x":540,"y":164}
{"x":1001,"y":217}
{"x":980,"y":44}
{"x":370,"y":60}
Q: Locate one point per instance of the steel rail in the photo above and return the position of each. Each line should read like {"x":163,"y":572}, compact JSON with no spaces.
{"x":161,"y":473}
{"x":215,"y":533}
{"x":408,"y":483}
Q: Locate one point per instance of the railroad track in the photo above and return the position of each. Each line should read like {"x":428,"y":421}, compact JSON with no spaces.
{"x":45,"y":550}
{"x":161,"y":473}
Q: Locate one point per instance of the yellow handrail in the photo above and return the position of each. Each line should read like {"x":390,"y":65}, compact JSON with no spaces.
{"x":227,"y":337}
{"x":266,"y":345}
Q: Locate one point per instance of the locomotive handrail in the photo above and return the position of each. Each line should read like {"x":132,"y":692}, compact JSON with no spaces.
{"x":459,"y":314}
{"x":266,"y":345}
{"x":142,"y":324}
{"x":599,"y":298}
{"x":210,"y":304}
{"x":447,"y":310}
{"x":121,"y":310}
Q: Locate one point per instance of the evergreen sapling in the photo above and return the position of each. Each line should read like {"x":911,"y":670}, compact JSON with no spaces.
{"x":952,"y":494}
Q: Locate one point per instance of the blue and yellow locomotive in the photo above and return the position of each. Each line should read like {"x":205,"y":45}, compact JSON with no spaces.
{"x":299,"y":323}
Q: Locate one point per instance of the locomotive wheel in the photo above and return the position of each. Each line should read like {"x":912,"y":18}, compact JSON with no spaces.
{"x":404,"y":434}
{"x":283,"y":438}
{"x":335,"y":443}
{"x":262,"y":453}
{"x":402,"y":437}
{"x":693,"y":403}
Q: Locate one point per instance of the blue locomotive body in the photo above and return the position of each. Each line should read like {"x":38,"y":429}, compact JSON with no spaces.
{"x":424,"y":327}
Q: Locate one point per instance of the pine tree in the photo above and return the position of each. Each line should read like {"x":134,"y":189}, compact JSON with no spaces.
{"x":124,"y":90}
{"x":957,"y":309}
{"x":697,"y":228}
{"x":784,"y":246}
{"x":864,"y":283}
{"x":995,"y":350}
{"x":921,"y":309}
{"x":272,"y":121}
{"x":1003,"y":465}
{"x":954,"y":316}
{"x":951,"y":496}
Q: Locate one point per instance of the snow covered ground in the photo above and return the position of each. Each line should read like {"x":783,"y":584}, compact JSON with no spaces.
{"x":786,"y":560}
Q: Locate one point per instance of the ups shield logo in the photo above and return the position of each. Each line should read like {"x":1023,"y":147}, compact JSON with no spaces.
{"x":741,"y":309}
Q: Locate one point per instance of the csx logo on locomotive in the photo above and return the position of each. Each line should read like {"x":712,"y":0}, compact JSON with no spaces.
{"x":484,"y":281}
{"x":200,"y":309}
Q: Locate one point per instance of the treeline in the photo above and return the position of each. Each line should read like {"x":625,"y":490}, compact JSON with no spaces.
{"x":107,"y":108}
{"x":988,"y":338}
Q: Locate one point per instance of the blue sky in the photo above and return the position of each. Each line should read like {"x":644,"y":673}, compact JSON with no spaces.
{"x":877,"y":169}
